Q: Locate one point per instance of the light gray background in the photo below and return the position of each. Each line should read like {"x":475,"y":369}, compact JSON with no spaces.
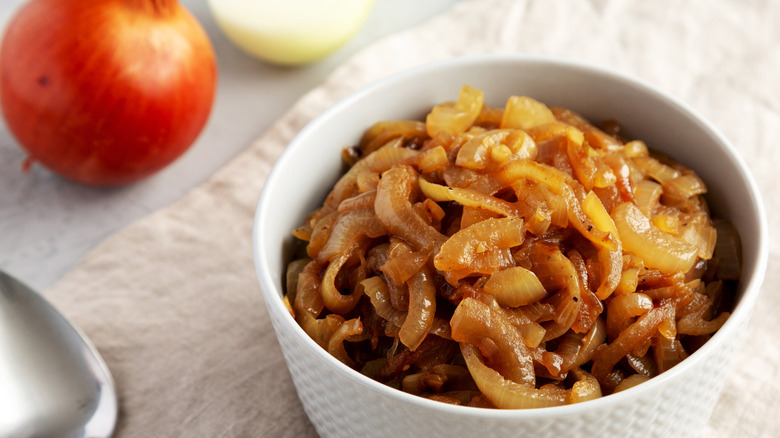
{"x":47,"y":224}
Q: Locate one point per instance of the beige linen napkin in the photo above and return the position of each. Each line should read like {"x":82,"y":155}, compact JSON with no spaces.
{"x":172,"y":301}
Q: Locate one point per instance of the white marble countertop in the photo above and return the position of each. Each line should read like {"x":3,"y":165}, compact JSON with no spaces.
{"x":47,"y":224}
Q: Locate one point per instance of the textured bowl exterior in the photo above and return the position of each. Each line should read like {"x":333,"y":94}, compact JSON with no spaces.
{"x":339,"y":406}
{"x":341,"y":402}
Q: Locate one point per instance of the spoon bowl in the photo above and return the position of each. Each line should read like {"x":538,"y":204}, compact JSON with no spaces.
{"x":53,"y":381}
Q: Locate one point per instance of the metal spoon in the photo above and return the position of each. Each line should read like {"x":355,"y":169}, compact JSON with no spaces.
{"x":53,"y":382}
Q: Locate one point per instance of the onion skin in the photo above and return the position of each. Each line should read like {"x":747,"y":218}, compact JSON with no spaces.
{"x":106,"y":93}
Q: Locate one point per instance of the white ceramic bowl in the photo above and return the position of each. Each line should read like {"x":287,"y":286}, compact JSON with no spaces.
{"x":342,"y":402}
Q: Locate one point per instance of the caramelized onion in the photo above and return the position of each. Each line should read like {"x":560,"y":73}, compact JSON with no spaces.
{"x":468,"y":198}
{"x":334,"y":300}
{"x":585,"y":388}
{"x":422,"y":307}
{"x":557,"y":272}
{"x":376,"y":290}
{"x":456,"y":118}
{"x":348,"y":231}
{"x":474,"y":323}
{"x":505,"y":393}
{"x":656,"y":248}
{"x":308,"y":296}
{"x":558,"y":261}
{"x":522,"y":112}
{"x":470,"y":247}
{"x":381,"y":133}
{"x":336,"y":347}
{"x":621,"y":309}
{"x":591,"y":342}
{"x":647,"y":194}
{"x":625,"y":342}
{"x":611,"y":264}
{"x":515,"y":286}
{"x":377,"y":162}
{"x":630,"y":382}
{"x":394,"y":209}
{"x":496,"y":146}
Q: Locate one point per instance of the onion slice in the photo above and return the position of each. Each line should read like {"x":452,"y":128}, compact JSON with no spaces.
{"x":637,"y":332}
{"x":379,"y":161}
{"x":467,"y":245}
{"x":475,"y":323}
{"x":422,"y":307}
{"x":515,"y":286}
{"x":333,"y":299}
{"x":657,"y":249}
{"x":523,"y":112}
{"x":394,"y":209}
{"x":456,"y":118}
{"x":585,"y":388}
{"x":467,"y":198}
{"x":505,"y":393}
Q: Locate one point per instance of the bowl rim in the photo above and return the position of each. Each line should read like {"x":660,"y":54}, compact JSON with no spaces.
{"x":741,"y":312}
